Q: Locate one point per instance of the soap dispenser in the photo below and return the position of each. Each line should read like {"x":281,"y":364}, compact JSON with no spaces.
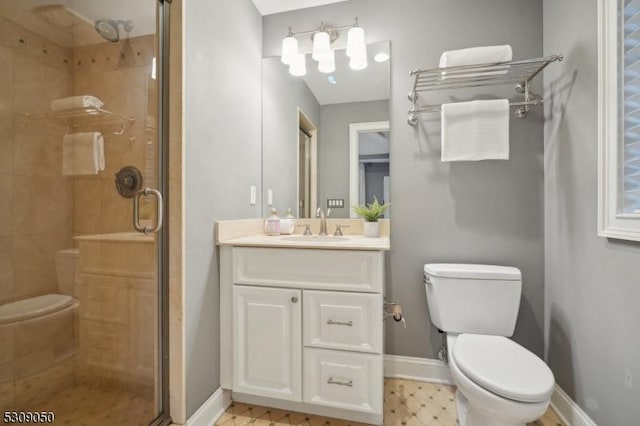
{"x":288,"y":223}
{"x":272,"y":224}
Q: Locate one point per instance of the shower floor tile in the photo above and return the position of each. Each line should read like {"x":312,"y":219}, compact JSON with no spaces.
{"x":88,"y":406}
{"x":405,"y":403}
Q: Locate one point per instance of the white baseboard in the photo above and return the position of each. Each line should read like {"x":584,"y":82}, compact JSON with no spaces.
{"x":568,"y":411}
{"x":212,"y":409}
{"x":419,"y":369}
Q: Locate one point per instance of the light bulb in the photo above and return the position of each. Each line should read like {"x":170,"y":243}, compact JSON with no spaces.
{"x":321,"y":45}
{"x":289,"y":49}
{"x":359,"y":59}
{"x":355,"y":41}
{"x":359,"y":62}
{"x":328,"y":65}
{"x":298,"y":66}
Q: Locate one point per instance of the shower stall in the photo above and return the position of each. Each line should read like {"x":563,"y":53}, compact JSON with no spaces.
{"x":83,"y":322}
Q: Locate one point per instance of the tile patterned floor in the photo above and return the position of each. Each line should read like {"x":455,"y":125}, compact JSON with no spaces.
{"x":89,"y":406}
{"x":405,"y":403}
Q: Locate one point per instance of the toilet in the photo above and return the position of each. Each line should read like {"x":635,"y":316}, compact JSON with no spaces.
{"x":499,"y":382}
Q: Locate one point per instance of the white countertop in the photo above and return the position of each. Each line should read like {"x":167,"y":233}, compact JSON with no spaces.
{"x":347,"y":242}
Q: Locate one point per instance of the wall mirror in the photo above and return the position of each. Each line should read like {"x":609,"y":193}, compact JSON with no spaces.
{"x":326,"y":136}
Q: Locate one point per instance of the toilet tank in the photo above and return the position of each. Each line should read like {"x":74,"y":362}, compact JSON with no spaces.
{"x":67,"y":270}
{"x":477,"y":299}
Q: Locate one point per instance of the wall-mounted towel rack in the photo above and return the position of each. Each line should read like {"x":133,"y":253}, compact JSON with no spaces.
{"x":519,"y":73}
{"x":94,"y":118}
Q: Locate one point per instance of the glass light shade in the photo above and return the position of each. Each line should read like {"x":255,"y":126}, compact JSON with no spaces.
{"x":289,"y":50}
{"x":359,"y":61}
{"x":298,"y":67}
{"x":355,"y":42}
{"x":328,"y":65}
{"x":321,"y":46}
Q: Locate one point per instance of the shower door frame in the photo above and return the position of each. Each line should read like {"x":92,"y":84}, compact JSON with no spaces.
{"x":162,"y":254}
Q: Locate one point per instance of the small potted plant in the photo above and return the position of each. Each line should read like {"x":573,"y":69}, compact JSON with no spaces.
{"x":371,"y":213}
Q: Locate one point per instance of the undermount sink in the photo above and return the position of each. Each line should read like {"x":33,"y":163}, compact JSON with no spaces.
{"x":314,"y":238}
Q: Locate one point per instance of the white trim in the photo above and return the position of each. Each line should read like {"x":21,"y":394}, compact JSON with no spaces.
{"x":313,"y":169}
{"x":419,"y":369}
{"x":354,"y":154}
{"x":611,"y":224}
{"x":568,"y":411}
{"x":212,"y":409}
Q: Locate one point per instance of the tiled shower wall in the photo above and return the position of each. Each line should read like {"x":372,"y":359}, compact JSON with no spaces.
{"x":120,"y":75}
{"x":36,"y":201}
{"x":41,"y":210}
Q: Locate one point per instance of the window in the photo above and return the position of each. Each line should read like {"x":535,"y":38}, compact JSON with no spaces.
{"x":619,"y":119}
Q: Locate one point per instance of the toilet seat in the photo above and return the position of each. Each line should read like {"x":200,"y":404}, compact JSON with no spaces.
{"x":503,"y":367}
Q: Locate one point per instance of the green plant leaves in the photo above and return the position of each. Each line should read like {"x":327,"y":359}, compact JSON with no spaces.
{"x":371,"y":212}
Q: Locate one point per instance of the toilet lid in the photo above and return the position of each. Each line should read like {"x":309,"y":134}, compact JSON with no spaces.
{"x":503,"y":367}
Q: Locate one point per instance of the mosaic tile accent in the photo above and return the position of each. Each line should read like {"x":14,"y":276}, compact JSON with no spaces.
{"x":405,"y":403}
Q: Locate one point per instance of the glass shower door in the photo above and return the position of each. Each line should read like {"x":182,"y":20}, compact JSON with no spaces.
{"x":81,"y":282}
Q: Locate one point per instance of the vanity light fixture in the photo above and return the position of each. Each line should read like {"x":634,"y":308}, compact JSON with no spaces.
{"x":298,"y":66}
{"x":289,"y":48}
{"x":322,"y":50}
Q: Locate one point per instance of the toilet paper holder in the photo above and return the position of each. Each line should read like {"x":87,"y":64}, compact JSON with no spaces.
{"x":395,"y":312}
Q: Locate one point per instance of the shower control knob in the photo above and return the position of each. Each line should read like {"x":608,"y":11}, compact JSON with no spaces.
{"x":294,"y":299}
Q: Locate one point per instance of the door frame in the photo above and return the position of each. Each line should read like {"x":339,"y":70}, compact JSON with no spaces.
{"x":354,"y":156}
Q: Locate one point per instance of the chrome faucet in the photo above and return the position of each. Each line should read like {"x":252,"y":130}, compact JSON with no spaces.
{"x":323,"y":220}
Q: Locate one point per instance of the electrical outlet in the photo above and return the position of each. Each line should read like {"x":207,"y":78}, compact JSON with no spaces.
{"x":335,"y":203}
{"x":269,"y":197}
{"x":252,"y":195}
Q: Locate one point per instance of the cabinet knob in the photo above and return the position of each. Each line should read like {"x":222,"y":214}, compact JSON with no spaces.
{"x":294,"y":299}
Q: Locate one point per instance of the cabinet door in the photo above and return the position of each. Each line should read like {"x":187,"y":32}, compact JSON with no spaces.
{"x":267,"y":342}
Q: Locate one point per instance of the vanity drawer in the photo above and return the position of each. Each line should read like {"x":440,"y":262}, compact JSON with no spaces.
{"x":344,"y":270}
{"x":348,"y":321}
{"x":343,"y":380}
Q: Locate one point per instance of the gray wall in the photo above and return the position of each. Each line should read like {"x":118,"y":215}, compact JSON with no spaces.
{"x":222,"y":159}
{"x":333,"y":148}
{"x":282,"y":95}
{"x":592,"y":292}
{"x":487,"y":212}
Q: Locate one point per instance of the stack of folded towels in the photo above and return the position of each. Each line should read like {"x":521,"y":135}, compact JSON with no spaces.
{"x":476,"y":130}
{"x":82,"y":153}
{"x":76,"y":102}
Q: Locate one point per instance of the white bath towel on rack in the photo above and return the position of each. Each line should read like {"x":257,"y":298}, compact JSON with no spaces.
{"x":83,"y":154}
{"x":475,"y":56}
{"x":76,"y":102}
{"x":476,"y":130}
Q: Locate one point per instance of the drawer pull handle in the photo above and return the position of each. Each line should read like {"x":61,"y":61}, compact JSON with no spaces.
{"x":339,"y":383}
{"x":347,"y":323}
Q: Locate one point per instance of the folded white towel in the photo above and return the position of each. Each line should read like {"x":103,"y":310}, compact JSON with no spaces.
{"x":82,"y":154}
{"x":76,"y":102}
{"x":476,"y":130}
{"x":476,"y":55}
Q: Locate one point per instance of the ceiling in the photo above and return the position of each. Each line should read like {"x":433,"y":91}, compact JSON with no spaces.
{"x":269,"y":7}
{"x":369,"y":84}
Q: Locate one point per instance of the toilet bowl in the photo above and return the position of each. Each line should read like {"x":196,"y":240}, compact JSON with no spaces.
{"x":502,"y":385}
{"x":499,"y":382}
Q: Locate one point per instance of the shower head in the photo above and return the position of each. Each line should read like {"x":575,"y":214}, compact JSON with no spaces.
{"x":109,"y":29}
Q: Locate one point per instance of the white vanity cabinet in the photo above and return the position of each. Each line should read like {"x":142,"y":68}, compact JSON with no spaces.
{"x":267,"y":344}
{"x":302,"y":329}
